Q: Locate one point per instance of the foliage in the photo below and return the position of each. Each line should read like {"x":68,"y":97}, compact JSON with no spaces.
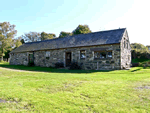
{"x":31,"y":63}
{"x":7,"y":54}
{"x":135,"y":64}
{"x":81,"y":29}
{"x":60,"y":90}
{"x":140,"y":60}
{"x":31,"y":37}
{"x":139,"y":51}
{"x":7,"y":33}
{"x":74,"y":66}
{"x":17,"y":42}
{"x":22,"y":41}
{"x":138,"y":47}
{"x":35,"y":36}
{"x":64,"y":34}
{"x":45,"y":36}
{"x":59,"y":65}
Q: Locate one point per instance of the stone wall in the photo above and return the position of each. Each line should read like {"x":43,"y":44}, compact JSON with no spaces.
{"x":125,"y":52}
{"x":19,"y":59}
{"x":59,"y":56}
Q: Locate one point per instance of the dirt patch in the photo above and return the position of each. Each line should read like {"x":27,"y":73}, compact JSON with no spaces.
{"x":21,"y":70}
{"x":3,"y":101}
{"x":143,"y":87}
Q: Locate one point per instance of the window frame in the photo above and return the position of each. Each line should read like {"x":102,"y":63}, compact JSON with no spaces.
{"x":81,"y":54}
{"x":111,"y":55}
{"x":124,"y":43}
{"x":106,"y":55}
{"x":47,"y":55}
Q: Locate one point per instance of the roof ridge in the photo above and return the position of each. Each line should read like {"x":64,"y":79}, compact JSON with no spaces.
{"x":75,"y":35}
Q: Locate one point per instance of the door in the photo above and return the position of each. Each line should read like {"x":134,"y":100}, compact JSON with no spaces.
{"x":31,"y":60}
{"x":68,"y":59}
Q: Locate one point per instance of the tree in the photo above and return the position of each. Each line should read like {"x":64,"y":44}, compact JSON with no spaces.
{"x":139,"y":51}
{"x":64,"y":34}
{"x":22,"y":41}
{"x":32,"y":37}
{"x":81,"y":29}
{"x":17,"y":42}
{"x":45,"y":36}
{"x":7,"y":33}
{"x":139,"y":47}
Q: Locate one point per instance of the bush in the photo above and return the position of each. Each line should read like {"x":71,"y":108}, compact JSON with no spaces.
{"x":139,"y":54}
{"x":74,"y":66}
{"x":135,"y":64}
{"x":59,"y":65}
{"x":31,"y":64}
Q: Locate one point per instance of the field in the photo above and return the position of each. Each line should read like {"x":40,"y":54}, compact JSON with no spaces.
{"x":36,"y":89}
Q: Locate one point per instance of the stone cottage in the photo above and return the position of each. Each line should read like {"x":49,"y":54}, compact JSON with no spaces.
{"x":104,"y":50}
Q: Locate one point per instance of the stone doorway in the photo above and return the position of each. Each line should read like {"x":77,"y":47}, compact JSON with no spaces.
{"x":68,"y":59}
{"x":31,"y":58}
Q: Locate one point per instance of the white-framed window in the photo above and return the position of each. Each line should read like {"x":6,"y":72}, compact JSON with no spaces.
{"x":82,"y":54}
{"x":47,"y":55}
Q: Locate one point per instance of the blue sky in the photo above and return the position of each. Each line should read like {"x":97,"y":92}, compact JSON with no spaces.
{"x":54,"y":16}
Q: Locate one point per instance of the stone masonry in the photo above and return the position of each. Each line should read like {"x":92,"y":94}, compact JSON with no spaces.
{"x":59,"y":56}
{"x":125,"y":52}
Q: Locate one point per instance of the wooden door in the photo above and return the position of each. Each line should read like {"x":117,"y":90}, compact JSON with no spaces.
{"x":68,"y":59}
{"x":31,"y":60}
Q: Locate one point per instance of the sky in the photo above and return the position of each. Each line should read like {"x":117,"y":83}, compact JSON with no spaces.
{"x":54,"y":16}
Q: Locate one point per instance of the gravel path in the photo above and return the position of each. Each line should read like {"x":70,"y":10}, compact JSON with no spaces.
{"x":20,"y":70}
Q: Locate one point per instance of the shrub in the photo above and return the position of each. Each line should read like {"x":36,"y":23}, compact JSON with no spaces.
{"x":59,"y":65}
{"x":135,"y":64}
{"x":31,"y":64}
{"x":74,"y":66}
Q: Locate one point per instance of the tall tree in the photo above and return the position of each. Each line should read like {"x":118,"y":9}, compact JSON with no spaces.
{"x":81,"y":29}
{"x":17,"y":42}
{"x":45,"y":36}
{"x":32,"y":37}
{"x":64,"y":34}
{"x":7,"y":33}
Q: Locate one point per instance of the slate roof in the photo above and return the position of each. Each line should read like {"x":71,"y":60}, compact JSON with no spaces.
{"x":95,"y":38}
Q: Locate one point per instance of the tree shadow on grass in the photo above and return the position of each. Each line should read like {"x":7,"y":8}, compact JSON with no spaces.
{"x":46,"y":69}
{"x":136,"y":70}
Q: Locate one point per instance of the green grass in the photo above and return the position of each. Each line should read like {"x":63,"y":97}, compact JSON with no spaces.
{"x":59,"y":90}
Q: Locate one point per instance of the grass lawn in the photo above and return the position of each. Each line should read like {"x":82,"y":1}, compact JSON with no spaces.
{"x":59,"y":90}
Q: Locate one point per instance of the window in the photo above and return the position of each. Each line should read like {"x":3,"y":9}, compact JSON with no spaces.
{"x":127,"y":45}
{"x":82,"y":54}
{"x":109,"y":55}
{"x":124,"y":44}
{"x":47,"y":55}
{"x":102,"y":54}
